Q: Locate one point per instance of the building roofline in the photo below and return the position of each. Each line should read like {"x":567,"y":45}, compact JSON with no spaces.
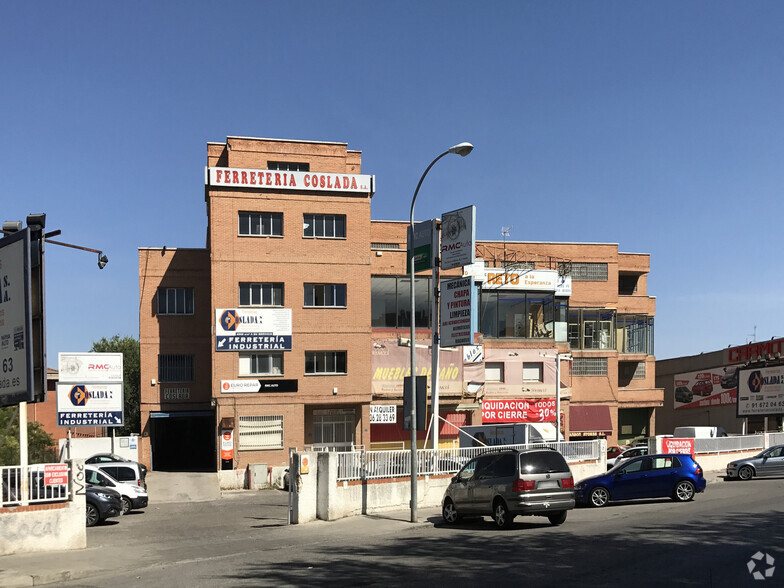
{"x":309,"y":141}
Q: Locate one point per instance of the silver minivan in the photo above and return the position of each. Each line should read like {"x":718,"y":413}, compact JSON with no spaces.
{"x":507,"y":483}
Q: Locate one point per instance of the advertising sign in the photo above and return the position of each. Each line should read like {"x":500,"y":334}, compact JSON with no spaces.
{"x":458,"y":237}
{"x":524,"y":410}
{"x":752,"y":351}
{"x":290,"y":180}
{"x":90,"y":367}
{"x":391,"y":365}
{"x":533,"y":280}
{"x":761,"y":391}
{"x":90,"y":405}
{"x":425,"y":244}
{"x":252,"y":386}
{"x":16,"y":350}
{"x":456,"y":301}
{"x":252,"y":329}
{"x":227,"y":444}
{"x":383,"y":413}
{"x":672,"y":445}
{"x":709,"y":387}
{"x":55,"y":474}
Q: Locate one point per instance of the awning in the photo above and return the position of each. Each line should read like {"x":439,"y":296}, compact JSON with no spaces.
{"x":586,"y":421}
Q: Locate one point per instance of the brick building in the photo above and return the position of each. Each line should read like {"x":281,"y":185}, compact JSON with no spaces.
{"x":294,"y":320}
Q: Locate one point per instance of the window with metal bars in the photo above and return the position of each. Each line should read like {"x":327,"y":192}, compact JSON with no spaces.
{"x":385,"y":246}
{"x":589,"y":272}
{"x":260,"y":432}
{"x":175,"y":301}
{"x":589,"y":366}
{"x":175,"y":368}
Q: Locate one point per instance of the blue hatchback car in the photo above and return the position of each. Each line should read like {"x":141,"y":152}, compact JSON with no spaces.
{"x":652,"y":476}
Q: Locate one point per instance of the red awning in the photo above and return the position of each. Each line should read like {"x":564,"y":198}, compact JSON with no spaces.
{"x":590,"y":420}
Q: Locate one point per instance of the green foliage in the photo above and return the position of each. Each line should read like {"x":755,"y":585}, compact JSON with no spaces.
{"x":129,"y":347}
{"x":40,"y":444}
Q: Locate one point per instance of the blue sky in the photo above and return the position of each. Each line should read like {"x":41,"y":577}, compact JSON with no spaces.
{"x":655,"y":125}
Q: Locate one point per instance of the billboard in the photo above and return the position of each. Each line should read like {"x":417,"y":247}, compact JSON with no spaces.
{"x":523,"y":410}
{"x":704,"y":388}
{"x":252,"y":329}
{"x":760,"y":391}
{"x":90,"y":405}
{"x":16,"y":345}
{"x":90,"y":367}
{"x":456,"y":301}
{"x":458,"y":237}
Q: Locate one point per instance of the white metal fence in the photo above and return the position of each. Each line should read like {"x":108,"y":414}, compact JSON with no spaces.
{"x":729,"y":444}
{"x":38,"y":491}
{"x":365,"y":465}
{"x":775,"y":439}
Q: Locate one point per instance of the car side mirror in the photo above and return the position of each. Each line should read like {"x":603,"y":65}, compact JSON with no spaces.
{"x":619,"y":474}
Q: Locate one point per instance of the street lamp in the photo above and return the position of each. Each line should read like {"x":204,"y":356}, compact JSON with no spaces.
{"x":461,"y":149}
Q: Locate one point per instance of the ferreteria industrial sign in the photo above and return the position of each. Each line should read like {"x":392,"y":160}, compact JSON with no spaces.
{"x":289,"y":180}
{"x":253,"y":329}
{"x":760,"y":391}
{"x":16,"y":354}
{"x":252,"y":386}
{"x":90,"y":405}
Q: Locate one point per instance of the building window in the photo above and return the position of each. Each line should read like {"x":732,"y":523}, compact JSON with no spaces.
{"x":175,"y":301}
{"x":532,"y":371}
{"x":175,"y":368}
{"x":264,"y":224}
{"x":494,"y":371}
{"x":634,"y":333}
{"x":261,"y":364}
{"x":387,"y":246}
{"x":589,"y":366}
{"x":327,"y":226}
{"x":589,"y":272}
{"x":260,"y":432}
{"x":630,"y":370}
{"x":390,"y":302}
{"x":261,"y":294}
{"x":288,"y":166}
{"x":627,"y":284}
{"x":517,"y":314}
{"x":333,"y":432}
{"x":333,"y":295}
{"x":591,"y":328}
{"x":325,"y":362}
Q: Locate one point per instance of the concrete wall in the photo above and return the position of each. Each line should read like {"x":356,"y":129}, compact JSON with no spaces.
{"x":84,"y":448}
{"x":47,"y":527}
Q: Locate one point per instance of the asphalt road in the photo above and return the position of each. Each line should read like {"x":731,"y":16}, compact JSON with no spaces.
{"x":242,"y":540}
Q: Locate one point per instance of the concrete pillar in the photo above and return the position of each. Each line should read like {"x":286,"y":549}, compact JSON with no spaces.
{"x":327,"y":483}
{"x":304,"y":480}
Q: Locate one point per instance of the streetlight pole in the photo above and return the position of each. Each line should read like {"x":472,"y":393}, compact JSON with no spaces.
{"x":461,"y":149}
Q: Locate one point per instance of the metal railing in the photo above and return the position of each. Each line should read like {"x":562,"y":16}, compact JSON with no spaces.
{"x":729,"y":444}
{"x":366,"y":465}
{"x":775,"y":439}
{"x":12,"y":478}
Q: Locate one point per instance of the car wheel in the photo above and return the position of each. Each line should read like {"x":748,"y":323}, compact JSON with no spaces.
{"x":557,"y":518}
{"x":449,"y":512}
{"x":746,"y":473}
{"x":501,"y":516}
{"x":600,"y":496}
{"x":93,"y":516}
{"x":126,"y":505}
{"x":684,"y":491}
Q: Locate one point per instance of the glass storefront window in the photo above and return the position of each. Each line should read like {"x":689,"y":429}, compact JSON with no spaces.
{"x":518,"y":314}
{"x":391,"y":302}
{"x":591,"y":328}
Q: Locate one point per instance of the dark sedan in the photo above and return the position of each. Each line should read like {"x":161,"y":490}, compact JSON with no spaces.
{"x":653,"y":476}
{"x":101,"y":504}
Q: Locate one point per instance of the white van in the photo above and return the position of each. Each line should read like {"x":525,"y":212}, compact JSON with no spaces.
{"x":133,"y":496}
{"x":699,"y":432}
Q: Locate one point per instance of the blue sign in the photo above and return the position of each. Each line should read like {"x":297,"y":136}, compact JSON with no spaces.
{"x":253,"y":342}
{"x":112,"y":418}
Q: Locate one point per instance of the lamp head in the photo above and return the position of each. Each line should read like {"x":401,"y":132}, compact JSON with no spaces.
{"x":102,"y":261}
{"x":461,"y":149}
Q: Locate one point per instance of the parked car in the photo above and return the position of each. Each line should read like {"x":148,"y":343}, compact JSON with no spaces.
{"x":507,"y":483}
{"x":730,"y":378}
{"x":120,"y":468}
{"x":614,"y":451}
{"x":651,"y":476}
{"x":628,"y":454}
{"x":683,"y":394}
{"x":766,"y":463}
{"x":101,"y":503}
{"x":133,"y":496}
{"x":702,"y":388}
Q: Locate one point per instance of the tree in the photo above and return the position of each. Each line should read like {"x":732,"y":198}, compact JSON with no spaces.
{"x":129,"y":347}
{"x":40,"y":444}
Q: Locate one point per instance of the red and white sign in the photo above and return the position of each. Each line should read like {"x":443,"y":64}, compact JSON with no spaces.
{"x":56,"y":474}
{"x":290,"y":180}
{"x":524,"y":410}
{"x":227,"y":444}
{"x":672,"y":445}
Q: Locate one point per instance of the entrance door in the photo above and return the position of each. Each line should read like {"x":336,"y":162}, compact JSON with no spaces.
{"x":183,"y":443}
{"x":333,"y":432}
